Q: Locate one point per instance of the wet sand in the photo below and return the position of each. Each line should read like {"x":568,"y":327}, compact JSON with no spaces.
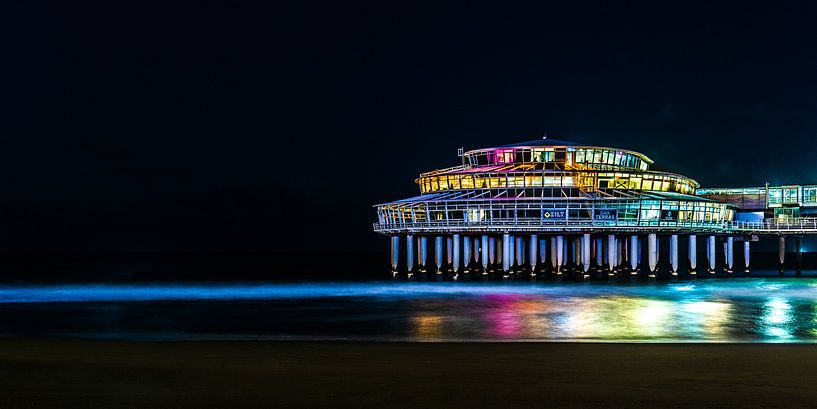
{"x":81,"y":373}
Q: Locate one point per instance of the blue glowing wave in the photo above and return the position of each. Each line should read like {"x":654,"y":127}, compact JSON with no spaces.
{"x":730,"y":289}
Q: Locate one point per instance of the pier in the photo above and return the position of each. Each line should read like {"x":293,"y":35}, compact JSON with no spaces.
{"x":551,"y":208}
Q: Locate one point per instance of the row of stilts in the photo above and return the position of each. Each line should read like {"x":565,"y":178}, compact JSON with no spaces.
{"x":468,"y":257}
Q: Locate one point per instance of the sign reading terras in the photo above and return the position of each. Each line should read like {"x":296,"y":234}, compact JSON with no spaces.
{"x":554,"y":214}
{"x":605,"y":215}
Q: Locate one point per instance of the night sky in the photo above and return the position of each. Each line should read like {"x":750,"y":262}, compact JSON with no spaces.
{"x":132,"y":126}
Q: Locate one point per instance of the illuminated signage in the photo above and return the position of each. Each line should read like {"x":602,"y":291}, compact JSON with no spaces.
{"x":605,"y":215}
{"x":554,"y":214}
{"x":669,"y":215}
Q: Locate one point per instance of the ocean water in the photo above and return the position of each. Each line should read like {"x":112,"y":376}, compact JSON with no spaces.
{"x":705,"y":310}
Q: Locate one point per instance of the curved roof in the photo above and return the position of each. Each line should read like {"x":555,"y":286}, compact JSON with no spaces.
{"x":542,"y":142}
{"x":556,"y":142}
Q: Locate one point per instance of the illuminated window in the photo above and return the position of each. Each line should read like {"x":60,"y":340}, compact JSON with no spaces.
{"x":775,"y":196}
{"x":580,"y":156}
{"x":810,"y":195}
{"x":539,"y":155}
{"x":535,"y":181}
{"x":790,"y":195}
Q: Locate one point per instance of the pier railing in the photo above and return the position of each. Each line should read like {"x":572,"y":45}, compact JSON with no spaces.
{"x":534,"y":225}
{"x":771,"y":226}
{"x":806,"y":225}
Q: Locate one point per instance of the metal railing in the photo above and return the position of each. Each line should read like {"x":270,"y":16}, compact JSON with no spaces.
{"x":770,"y":226}
{"x":531,"y":224}
{"x":803,"y":224}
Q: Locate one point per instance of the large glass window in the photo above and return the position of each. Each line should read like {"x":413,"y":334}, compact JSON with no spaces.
{"x":810,"y":195}
{"x":775,"y":196}
{"x":790,"y":195}
{"x":580,"y":156}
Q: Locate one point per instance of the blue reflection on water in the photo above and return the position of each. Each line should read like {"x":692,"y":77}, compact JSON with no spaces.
{"x":756,"y":310}
{"x":732,"y":288}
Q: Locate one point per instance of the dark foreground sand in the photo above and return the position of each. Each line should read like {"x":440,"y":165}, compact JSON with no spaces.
{"x":47,"y":373}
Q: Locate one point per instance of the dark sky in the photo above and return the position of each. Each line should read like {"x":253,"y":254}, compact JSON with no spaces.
{"x":220,"y":127}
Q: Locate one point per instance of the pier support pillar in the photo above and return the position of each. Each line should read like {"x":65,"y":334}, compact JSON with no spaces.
{"x":746,"y":253}
{"x":499,"y":256}
{"x":410,"y":255}
{"x":725,"y":257}
{"x":492,"y":251}
{"x":652,"y":252}
{"x":730,"y":253}
{"x":455,"y":248}
{"x":612,"y":251}
{"x":693,"y":255}
{"x":506,"y":253}
{"x":781,"y":254}
{"x":438,"y":256}
{"x":633,"y":255}
{"x":511,"y":251}
{"x":422,"y":245}
{"x":673,"y":254}
{"x":520,"y":252}
{"x":565,"y":245}
{"x":586,"y":252}
{"x":485,"y":249}
{"x":577,"y":251}
{"x":449,"y":251}
{"x":560,"y":253}
{"x":533,"y":245}
{"x":600,"y":253}
{"x":710,"y":253}
{"x":477,"y":246}
{"x":798,"y":256}
{"x":466,"y":253}
{"x":543,"y":252}
{"x":395,"y":255}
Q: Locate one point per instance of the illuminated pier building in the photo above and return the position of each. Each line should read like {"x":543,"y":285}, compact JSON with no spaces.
{"x":556,"y":207}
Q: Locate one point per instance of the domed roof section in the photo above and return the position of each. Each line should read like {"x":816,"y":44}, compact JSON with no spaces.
{"x":543,"y":142}
{"x":556,"y":143}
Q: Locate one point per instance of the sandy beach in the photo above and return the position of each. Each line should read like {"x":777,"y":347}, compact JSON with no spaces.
{"x":81,"y":373}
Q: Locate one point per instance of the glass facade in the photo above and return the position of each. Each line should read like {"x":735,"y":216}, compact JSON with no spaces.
{"x":664,"y":213}
{"x":584,"y":157}
{"x":757,"y":198}
{"x":553,"y":186}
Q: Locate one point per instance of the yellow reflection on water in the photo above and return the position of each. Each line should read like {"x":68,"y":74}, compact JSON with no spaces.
{"x":709,"y":317}
{"x":427,"y":326}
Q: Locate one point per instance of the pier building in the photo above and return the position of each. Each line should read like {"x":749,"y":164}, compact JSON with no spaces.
{"x":556,"y":207}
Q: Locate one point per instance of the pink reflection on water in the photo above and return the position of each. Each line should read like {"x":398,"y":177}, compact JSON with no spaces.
{"x":503,"y":317}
